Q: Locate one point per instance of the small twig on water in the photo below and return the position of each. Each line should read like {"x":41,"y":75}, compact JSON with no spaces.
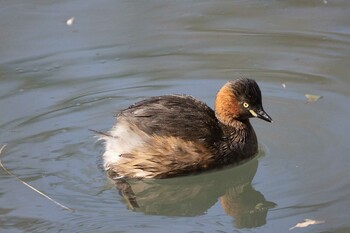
{"x":29,"y":186}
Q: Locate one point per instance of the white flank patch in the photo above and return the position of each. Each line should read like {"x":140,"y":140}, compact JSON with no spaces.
{"x":124,"y":140}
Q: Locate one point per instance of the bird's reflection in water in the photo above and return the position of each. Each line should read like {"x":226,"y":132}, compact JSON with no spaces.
{"x":194,"y":195}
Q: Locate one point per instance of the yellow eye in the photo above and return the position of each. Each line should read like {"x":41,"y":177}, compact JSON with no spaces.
{"x":245,"y":104}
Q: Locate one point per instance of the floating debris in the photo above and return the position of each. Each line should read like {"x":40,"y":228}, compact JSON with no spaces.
{"x":28,"y":185}
{"x":312,"y":98}
{"x":70,"y":21}
{"x":284,"y":85}
{"x":306,"y":223}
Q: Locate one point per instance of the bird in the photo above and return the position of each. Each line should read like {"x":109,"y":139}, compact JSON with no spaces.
{"x":175,"y":135}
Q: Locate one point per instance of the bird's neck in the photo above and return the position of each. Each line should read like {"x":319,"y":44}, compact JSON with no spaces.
{"x":227,"y":108}
{"x":240,"y":141}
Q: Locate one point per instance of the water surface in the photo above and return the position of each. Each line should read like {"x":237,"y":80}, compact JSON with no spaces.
{"x":58,"y":81}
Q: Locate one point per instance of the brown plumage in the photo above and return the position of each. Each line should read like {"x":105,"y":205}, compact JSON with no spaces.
{"x":173,"y":135}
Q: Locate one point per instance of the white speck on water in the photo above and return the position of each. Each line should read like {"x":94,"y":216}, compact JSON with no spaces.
{"x":70,"y":21}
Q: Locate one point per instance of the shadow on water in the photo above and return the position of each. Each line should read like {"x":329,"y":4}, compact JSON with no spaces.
{"x":194,"y":195}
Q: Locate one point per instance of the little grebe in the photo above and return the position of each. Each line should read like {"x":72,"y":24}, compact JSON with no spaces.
{"x":173,"y":135}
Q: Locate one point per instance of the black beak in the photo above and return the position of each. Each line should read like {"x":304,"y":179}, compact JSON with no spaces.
{"x":263,"y":115}
{"x":260,"y":113}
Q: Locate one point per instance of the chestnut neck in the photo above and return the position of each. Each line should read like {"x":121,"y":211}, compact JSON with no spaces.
{"x":227,"y":107}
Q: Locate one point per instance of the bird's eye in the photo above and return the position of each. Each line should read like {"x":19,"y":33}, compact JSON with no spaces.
{"x":245,"y":104}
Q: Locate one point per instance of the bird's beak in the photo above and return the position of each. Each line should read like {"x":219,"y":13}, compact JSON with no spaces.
{"x":260,"y":113}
